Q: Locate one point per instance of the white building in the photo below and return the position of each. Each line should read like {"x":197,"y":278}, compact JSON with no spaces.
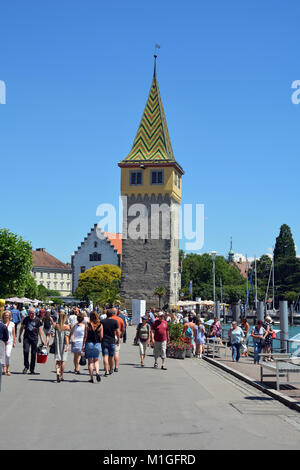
{"x":51,"y":273}
{"x":95,"y":251}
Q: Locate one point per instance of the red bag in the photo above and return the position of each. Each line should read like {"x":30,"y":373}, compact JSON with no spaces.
{"x":273,"y":334}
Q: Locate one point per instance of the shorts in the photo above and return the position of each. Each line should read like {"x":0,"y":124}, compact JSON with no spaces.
{"x":143,"y":347}
{"x":108,"y":349}
{"x":117,"y":349}
{"x":92,"y":350}
{"x":47,"y":331}
{"x":160,"y":349}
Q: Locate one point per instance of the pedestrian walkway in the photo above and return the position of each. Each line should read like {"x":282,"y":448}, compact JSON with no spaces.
{"x":192,"y":405}
{"x":246,"y":367}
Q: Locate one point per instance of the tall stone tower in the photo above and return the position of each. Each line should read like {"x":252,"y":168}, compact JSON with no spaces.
{"x":151,"y":187}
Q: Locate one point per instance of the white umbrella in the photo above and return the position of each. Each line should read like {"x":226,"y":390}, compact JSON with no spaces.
{"x":24,"y":300}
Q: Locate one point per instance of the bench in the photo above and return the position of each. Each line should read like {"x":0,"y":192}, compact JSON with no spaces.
{"x":283,"y":366}
{"x":215,"y":344}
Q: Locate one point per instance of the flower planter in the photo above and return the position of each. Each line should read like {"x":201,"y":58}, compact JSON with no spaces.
{"x":180,"y":354}
{"x":188,"y":353}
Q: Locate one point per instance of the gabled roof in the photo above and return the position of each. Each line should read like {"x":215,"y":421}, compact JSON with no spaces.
{"x":152,"y":142}
{"x":42,"y":259}
{"x":114,"y":239}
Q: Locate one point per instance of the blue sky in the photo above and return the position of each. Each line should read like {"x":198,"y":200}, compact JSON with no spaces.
{"x":78,"y":76}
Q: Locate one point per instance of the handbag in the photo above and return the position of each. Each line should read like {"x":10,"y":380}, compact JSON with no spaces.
{"x":52,"y":348}
{"x":273,"y":334}
{"x":82,"y":361}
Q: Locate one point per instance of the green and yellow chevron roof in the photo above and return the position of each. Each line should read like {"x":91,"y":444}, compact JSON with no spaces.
{"x":152,"y":142}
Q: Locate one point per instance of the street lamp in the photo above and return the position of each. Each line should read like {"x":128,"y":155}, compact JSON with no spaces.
{"x":213,"y":255}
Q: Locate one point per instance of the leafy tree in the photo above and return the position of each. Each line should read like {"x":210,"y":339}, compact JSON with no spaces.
{"x":15,"y":263}
{"x":110,"y":296}
{"x":198,"y":268}
{"x":31,"y":288}
{"x":160,"y":292}
{"x":95,"y":282}
{"x":285,"y":246}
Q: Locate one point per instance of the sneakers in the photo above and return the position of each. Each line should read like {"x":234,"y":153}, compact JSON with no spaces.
{"x":116,"y":369}
{"x":106,"y":374}
{"x":155,"y":366}
{"x":98,"y":377}
{"x":25,"y":370}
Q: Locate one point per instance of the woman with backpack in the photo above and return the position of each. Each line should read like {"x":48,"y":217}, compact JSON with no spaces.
{"x":188,"y":330}
{"x":142,"y":338}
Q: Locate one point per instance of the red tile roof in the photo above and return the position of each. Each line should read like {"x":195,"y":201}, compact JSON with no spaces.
{"x":242,"y":267}
{"x":42,"y":259}
{"x":116,"y":240}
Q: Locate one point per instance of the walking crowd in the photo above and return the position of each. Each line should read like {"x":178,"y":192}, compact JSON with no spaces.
{"x":88,"y":332}
{"x":83,"y":331}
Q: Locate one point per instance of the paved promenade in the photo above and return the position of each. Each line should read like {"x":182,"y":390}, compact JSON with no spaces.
{"x":192,"y":405}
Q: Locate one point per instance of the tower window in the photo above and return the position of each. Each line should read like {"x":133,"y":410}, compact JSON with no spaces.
{"x":135,"y":177}
{"x":157,"y":177}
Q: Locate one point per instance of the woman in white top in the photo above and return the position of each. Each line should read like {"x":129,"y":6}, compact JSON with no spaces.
{"x":77,"y":335}
{"x":11,"y":340}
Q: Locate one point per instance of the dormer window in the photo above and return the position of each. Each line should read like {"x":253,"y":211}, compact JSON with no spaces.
{"x":136,"y":177}
{"x":157,"y":177}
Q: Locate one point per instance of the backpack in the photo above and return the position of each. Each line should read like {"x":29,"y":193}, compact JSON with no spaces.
{"x":189,"y":332}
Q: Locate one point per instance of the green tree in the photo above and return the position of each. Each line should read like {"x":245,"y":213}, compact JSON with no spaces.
{"x":15,"y":263}
{"x":160,"y":291}
{"x":285,"y":246}
{"x":198,"y":268}
{"x":94,"y":282}
{"x":31,"y":287}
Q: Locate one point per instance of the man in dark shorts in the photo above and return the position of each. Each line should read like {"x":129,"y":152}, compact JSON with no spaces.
{"x":110,"y":330}
{"x":33,"y":329}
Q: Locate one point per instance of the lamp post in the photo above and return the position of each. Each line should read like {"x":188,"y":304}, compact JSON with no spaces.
{"x":213,"y":255}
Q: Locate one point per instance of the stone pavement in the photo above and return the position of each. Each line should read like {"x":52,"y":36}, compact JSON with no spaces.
{"x":247,"y":367}
{"x":193,"y":406}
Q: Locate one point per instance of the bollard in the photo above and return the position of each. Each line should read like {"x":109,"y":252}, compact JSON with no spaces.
{"x":260,"y":312}
{"x":217,"y":309}
{"x":236,"y":311}
{"x":284,"y":325}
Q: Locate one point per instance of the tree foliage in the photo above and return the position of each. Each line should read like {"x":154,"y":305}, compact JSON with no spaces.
{"x":15,"y":264}
{"x":100,"y":284}
{"x":199,"y":269}
{"x":285,"y":246}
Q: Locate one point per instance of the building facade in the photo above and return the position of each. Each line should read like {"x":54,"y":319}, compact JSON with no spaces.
{"x":97,"y":248}
{"x":51,"y":273}
{"x":151,"y":187}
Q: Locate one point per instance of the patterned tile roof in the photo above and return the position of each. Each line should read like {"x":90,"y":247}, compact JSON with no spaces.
{"x":152,"y":141}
